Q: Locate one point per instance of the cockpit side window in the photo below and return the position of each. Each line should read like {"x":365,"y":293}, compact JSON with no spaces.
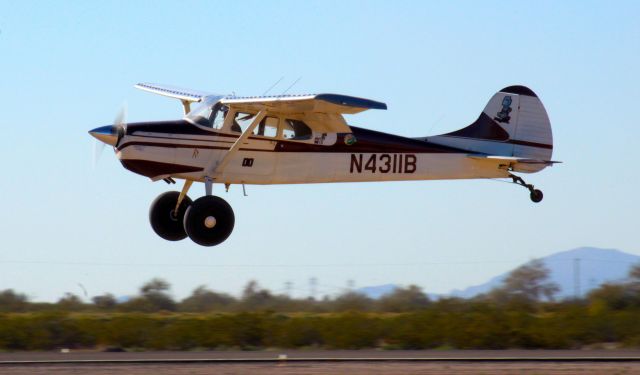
{"x":242,"y":121}
{"x":211,"y":116}
{"x":219,"y":114}
{"x":296,"y":130}
{"x":268,"y":127}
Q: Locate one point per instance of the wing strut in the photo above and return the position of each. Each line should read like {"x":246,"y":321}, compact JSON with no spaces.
{"x":215,"y":169}
{"x":187,"y":106}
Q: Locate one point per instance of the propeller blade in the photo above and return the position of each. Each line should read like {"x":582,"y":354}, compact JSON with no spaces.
{"x":98,"y":148}
{"x":121,"y":117}
{"x":120,"y":123}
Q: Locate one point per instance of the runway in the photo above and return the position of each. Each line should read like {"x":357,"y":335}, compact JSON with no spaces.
{"x":313,"y":362}
{"x":266,"y":356}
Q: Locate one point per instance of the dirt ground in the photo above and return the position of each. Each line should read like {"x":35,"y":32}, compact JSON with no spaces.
{"x":312,"y":368}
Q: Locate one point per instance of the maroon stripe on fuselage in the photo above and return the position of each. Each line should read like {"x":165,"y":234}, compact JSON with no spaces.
{"x":367,"y":141}
{"x":184,"y":139}
{"x":370,"y":141}
{"x":169,"y":145}
{"x":182,"y":145}
{"x":530,"y":144}
{"x":152,"y":168}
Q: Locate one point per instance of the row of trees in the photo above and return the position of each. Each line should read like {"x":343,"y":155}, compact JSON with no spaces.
{"x":526,"y":288}
{"x":154,"y":296}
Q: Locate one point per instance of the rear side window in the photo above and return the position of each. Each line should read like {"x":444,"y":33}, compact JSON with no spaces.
{"x":268,"y":127}
{"x":296,"y":130}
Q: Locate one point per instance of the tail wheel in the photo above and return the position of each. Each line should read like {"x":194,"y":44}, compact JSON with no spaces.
{"x":209,"y":220}
{"x":165,"y":221}
{"x":536,"y":195}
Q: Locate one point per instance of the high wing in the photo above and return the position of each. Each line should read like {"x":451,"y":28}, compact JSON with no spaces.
{"x":186,"y":96}
{"x":173,"y":92}
{"x":322,"y":112}
{"x":326,"y":103}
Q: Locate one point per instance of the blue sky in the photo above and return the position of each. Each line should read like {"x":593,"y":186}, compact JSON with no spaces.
{"x":67,"y":67}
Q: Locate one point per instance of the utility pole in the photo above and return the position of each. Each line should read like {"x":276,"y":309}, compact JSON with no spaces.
{"x":351,"y":284}
{"x":576,"y":278}
{"x":287,"y":287}
{"x":313,"y":284}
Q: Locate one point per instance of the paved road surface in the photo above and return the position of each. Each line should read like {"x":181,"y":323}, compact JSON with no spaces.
{"x":526,"y":364}
{"x":335,"y":354}
{"x":386,"y":368}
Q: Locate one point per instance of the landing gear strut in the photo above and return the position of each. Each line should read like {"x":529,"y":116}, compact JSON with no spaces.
{"x":535,"y":194}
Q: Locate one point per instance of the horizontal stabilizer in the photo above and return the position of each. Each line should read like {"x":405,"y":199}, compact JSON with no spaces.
{"x":514,"y":159}
{"x":514,"y":162}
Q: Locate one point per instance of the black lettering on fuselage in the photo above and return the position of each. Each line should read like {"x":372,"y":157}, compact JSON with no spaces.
{"x":384,"y":163}
{"x":409,"y":163}
{"x":356,"y":163}
{"x":247,"y":162}
{"x":371,"y":164}
{"x":385,"y":160}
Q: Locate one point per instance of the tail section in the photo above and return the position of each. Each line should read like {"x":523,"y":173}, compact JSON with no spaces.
{"x":513,"y":124}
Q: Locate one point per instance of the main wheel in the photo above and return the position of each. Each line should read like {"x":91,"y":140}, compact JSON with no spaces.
{"x":164,"y":220}
{"x":536,"y":195}
{"x":209,"y":220}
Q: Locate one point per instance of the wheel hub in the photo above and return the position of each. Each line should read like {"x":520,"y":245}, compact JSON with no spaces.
{"x":210,"y":222}
{"x":173,"y":215}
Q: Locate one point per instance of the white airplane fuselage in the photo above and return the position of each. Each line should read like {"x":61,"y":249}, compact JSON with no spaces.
{"x":180,"y":149}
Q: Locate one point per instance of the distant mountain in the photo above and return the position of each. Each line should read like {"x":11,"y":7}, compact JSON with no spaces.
{"x":592,"y":266}
{"x":123,"y":299}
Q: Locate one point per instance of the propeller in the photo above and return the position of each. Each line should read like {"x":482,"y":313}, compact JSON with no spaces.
{"x":120,"y":123}
{"x":110,"y":134}
{"x":98,"y":148}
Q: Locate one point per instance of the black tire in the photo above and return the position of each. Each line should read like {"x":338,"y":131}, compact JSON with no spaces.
{"x":536,"y":196}
{"x":164,"y":221}
{"x":195,"y":220}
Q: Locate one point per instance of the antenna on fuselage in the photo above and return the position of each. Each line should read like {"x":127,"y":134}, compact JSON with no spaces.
{"x":272,"y":86}
{"x":434,"y":124}
{"x":293,"y":84}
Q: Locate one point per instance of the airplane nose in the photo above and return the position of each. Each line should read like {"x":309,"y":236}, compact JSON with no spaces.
{"x":107,"y":134}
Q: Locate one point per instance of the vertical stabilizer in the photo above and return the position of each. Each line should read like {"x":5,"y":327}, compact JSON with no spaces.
{"x":513,"y":123}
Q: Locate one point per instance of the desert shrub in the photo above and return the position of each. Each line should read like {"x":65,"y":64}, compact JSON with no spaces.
{"x":350,"y":330}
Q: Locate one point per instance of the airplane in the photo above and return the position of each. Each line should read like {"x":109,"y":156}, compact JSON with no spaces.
{"x":301,"y":139}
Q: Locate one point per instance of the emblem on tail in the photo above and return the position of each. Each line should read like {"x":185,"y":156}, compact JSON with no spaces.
{"x":503,"y":115}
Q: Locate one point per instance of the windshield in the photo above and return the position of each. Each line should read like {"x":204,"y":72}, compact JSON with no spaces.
{"x":210,"y":113}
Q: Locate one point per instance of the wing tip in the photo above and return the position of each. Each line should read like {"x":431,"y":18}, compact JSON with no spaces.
{"x":171,"y":91}
{"x":351,"y":101}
